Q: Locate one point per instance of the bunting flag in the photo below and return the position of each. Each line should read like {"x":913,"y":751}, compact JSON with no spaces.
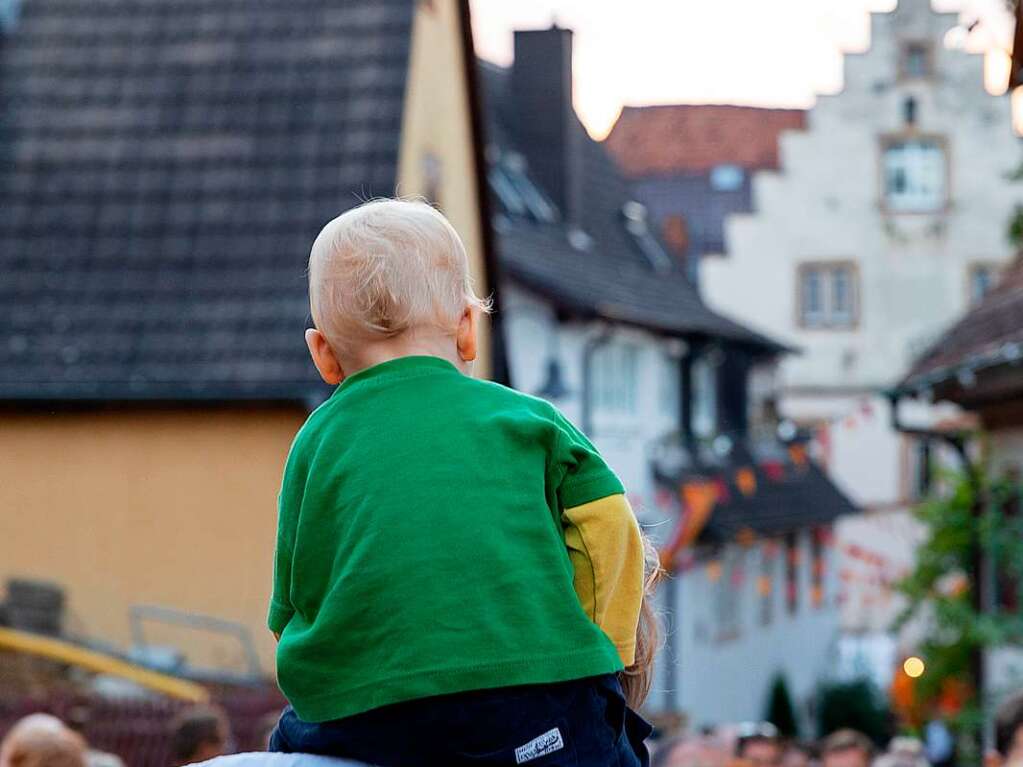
{"x":858,"y":552}
{"x":773,"y":470}
{"x":698,"y":499}
{"x":798,"y":455}
{"x":663,"y":498}
{"x":746,"y":537}
{"x":764,"y":585}
{"x":724,"y":495}
{"x":746,"y":481}
{"x":738,"y":577}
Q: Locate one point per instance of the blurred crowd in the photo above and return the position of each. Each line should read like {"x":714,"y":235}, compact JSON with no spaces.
{"x":202,"y":733}
{"x":760,"y":745}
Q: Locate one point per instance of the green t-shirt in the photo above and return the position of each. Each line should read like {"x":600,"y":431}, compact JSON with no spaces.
{"x":420,"y":549}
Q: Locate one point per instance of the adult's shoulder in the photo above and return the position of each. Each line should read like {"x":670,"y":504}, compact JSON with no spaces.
{"x":267,"y":759}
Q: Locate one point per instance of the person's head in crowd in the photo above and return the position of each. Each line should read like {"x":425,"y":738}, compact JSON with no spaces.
{"x":78,"y":718}
{"x":41,"y":740}
{"x":758,"y":744}
{"x":798,"y":754}
{"x":846,"y":748}
{"x":199,"y":733}
{"x":1009,"y":732}
{"x":691,"y":751}
{"x":903,"y":752}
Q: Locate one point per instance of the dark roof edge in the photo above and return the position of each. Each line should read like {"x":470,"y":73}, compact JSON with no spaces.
{"x":761,"y":345}
{"x":1009,"y":353}
{"x":166,"y":394}
{"x":499,"y":369}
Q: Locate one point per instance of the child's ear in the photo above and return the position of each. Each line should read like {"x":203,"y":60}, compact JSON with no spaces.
{"x":465,"y":337}
{"x":324,"y":357}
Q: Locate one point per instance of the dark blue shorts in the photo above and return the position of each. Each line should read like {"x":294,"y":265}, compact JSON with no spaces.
{"x":583,"y":723}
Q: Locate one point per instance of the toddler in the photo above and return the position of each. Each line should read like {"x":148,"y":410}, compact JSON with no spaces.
{"x":458,"y":576}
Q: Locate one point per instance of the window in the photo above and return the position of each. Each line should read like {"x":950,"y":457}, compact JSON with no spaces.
{"x":914,"y":176}
{"x":9,"y":13}
{"x":909,"y":111}
{"x":765,"y":583}
{"x":728,"y":603}
{"x":827,"y":296}
{"x":669,"y":386}
{"x":726,"y":178}
{"x":982,"y":278}
{"x":792,"y":572}
{"x":817,"y":564}
{"x":614,"y":378}
{"x":705,"y":396}
{"x":916,"y":60}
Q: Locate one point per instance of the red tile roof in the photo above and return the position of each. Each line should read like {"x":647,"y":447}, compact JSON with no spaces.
{"x":687,"y":138}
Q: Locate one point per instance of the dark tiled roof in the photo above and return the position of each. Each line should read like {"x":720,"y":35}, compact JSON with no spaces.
{"x":681,"y":138}
{"x":989,"y":335}
{"x":803,"y":498}
{"x":787,"y":497}
{"x":610,"y":276}
{"x":164,"y":166}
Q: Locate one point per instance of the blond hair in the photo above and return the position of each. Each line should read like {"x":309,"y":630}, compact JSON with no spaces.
{"x":637,"y":679}
{"x":387,"y":267}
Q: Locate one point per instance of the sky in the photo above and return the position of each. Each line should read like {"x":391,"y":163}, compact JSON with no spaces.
{"x":757,"y":52}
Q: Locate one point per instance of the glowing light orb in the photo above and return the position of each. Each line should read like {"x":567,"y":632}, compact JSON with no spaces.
{"x":914,"y":667}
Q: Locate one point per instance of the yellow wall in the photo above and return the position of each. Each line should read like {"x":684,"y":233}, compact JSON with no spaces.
{"x":437,"y":123}
{"x":175,"y":508}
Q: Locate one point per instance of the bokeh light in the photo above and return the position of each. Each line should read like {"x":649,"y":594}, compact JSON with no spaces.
{"x":914,"y":667}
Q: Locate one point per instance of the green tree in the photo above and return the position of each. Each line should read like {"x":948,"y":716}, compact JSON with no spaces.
{"x":780,"y":711}
{"x":974,"y":517}
{"x":857,"y":705}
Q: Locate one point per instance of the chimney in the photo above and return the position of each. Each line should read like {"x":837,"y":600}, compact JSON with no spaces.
{"x":547,"y":128}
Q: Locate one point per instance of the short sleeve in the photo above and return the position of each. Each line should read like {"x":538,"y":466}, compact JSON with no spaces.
{"x":583,"y":474}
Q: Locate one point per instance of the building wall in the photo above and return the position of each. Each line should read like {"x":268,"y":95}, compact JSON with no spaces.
{"x":437,"y":159}
{"x":825,"y":205}
{"x":535,"y":336}
{"x":175,"y":508}
{"x":720,"y":681}
{"x":726,"y":677}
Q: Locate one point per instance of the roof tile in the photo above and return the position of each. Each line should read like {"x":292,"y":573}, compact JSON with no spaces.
{"x":690,"y":138}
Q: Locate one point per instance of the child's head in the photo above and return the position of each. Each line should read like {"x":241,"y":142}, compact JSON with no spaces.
{"x":386,"y":279}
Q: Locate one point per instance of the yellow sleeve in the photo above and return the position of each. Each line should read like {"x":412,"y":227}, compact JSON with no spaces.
{"x":606,"y":551}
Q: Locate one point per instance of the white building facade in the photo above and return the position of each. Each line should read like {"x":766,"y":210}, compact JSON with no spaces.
{"x":887,"y":218}
{"x":736,"y":616}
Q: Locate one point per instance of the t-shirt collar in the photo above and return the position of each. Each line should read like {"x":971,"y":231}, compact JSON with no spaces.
{"x":400,"y":367}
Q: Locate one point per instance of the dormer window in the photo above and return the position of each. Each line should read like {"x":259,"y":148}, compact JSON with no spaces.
{"x":9,"y":13}
{"x":726,"y":178}
{"x":916,"y":61}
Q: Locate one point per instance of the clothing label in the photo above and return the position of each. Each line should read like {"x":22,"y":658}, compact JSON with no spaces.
{"x":547,"y":743}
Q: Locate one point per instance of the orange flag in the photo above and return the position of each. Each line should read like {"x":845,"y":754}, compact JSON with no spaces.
{"x":746,"y":480}
{"x":698,"y":499}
